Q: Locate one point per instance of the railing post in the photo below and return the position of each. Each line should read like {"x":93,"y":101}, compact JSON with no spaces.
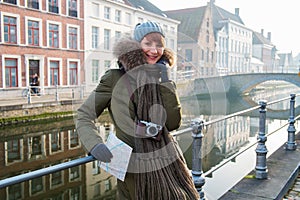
{"x":29,"y":95}
{"x":73,"y":94}
{"x":81,"y":91}
{"x":261,"y":149}
{"x":56,"y":93}
{"x":291,"y":142}
{"x":197,"y":172}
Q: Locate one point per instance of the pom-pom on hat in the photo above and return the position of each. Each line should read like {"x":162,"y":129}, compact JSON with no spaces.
{"x":142,"y":29}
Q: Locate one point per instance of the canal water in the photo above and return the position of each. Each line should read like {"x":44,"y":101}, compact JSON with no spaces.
{"x":33,"y":146}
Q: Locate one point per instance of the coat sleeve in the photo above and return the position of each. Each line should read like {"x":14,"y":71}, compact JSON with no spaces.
{"x":91,"y":109}
{"x":171,"y":104}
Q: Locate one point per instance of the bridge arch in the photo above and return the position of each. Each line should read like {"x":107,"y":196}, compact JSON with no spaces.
{"x":245,"y":82}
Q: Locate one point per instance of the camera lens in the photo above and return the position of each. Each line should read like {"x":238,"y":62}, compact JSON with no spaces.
{"x":152,"y":130}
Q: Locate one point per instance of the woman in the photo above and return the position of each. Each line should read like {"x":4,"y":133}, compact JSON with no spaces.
{"x":144,"y":107}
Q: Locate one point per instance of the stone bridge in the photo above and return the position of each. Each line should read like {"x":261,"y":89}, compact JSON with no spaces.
{"x":238,"y":83}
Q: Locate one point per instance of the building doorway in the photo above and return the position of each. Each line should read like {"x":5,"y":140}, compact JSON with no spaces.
{"x":34,"y":68}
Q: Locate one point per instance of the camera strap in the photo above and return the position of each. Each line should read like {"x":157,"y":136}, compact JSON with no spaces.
{"x":141,"y":128}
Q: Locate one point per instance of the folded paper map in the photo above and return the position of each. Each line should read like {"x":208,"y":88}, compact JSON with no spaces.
{"x":121,"y":156}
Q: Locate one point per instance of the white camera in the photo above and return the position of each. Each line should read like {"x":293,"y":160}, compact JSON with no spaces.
{"x":152,"y":129}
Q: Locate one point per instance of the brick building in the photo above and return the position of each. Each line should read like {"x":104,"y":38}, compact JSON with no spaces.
{"x":43,"y":37}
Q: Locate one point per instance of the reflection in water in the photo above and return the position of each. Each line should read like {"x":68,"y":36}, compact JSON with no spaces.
{"x":30,"y":147}
{"x":48,"y":144}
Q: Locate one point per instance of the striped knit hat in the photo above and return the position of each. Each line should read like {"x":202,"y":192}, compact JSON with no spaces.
{"x":142,"y":29}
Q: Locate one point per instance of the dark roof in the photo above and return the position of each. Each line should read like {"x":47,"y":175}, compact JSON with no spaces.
{"x":221,"y":14}
{"x":258,"y":38}
{"x":144,"y":5}
{"x":190,"y":21}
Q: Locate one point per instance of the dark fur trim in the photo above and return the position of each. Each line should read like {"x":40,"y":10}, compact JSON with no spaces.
{"x":130,"y":54}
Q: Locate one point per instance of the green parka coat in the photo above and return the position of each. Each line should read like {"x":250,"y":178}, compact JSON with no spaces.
{"x":114,"y":94}
{"x":115,"y":91}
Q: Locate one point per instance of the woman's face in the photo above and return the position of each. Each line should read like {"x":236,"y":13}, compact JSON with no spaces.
{"x":153,"y":46}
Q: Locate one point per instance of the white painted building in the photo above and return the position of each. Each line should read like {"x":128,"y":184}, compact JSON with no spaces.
{"x":108,"y":20}
{"x":233,"y":42}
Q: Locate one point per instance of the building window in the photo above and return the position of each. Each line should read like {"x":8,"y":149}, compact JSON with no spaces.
{"x":188,"y":55}
{"x":202,"y":54}
{"x":74,"y":174}
{"x":56,"y":178}
{"x":165,"y":28}
{"x":53,"y":6}
{"x":74,"y":140}
{"x":73,"y":8}
{"x":36,"y":185}
{"x":140,"y":20}
{"x":95,"y":35}
{"x":95,"y":71}
{"x":207,"y":36}
{"x":33,"y":4}
{"x":33,"y":33}
{"x":73,"y":73}
{"x":53,"y":35}
{"x":106,"y":39}
{"x":118,"y":16}
{"x":10,"y":30}
{"x":95,"y":10}
{"x":107,"y":184}
{"x":14,"y":152}
{"x":10,"y":1}
{"x":172,"y":30}
{"x":107,"y":64}
{"x":54,"y":73}
{"x":188,"y":72}
{"x":55,"y":142}
{"x":96,"y":170}
{"x":11,"y":72}
{"x":36,"y":146}
{"x":106,"y":12}
{"x":172,"y":44}
{"x":74,"y":193}
{"x":207,"y":55}
{"x":73,"y":38}
{"x":128,"y":18}
{"x":117,"y":35}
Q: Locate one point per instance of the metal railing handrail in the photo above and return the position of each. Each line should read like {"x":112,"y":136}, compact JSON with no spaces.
{"x":197,"y":135}
{"x":176,"y":133}
{"x":210,"y":171}
{"x":45,"y":171}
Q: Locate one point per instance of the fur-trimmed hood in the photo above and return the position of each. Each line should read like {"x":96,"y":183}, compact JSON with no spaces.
{"x":130,"y":54}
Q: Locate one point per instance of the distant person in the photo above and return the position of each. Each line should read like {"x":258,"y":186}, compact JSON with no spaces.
{"x":35,"y":83}
{"x":144,"y":106}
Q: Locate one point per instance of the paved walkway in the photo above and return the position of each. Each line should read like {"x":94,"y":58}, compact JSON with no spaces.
{"x":282,"y":182}
{"x":294,"y":193}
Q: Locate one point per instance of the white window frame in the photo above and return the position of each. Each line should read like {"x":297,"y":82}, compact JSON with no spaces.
{"x":18,"y":26}
{"x":40,"y":29}
{"x":59,"y":34}
{"x":18,"y":57}
{"x":78,"y":35}
{"x":78,"y":70}
{"x":59,"y":60}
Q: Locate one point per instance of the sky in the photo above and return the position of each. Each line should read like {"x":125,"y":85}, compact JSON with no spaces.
{"x":280,"y":17}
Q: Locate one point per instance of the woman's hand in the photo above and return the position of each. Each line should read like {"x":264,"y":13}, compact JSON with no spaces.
{"x":101,"y":153}
{"x":165,"y":72}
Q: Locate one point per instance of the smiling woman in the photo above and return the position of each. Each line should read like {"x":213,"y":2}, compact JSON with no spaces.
{"x":144,"y":105}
